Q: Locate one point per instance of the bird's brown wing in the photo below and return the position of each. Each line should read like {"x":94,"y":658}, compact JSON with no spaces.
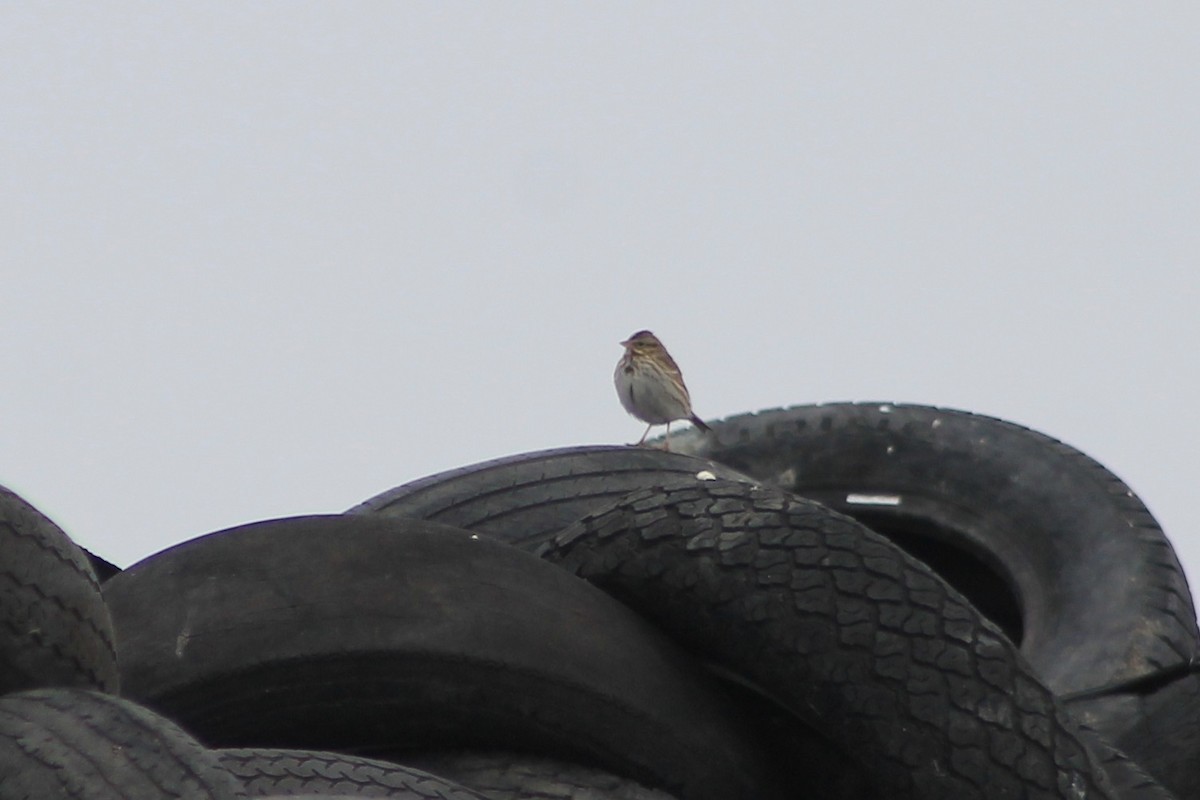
{"x":676,"y":375}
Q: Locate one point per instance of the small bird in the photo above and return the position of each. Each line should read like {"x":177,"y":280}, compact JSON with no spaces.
{"x":651,"y":386}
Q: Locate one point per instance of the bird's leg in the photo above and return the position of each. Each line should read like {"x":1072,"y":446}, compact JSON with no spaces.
{"x":642,"y":440}
{"x":667,"y":440}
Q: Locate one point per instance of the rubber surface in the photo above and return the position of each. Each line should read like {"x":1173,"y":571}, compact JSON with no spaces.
{"x":844,"y":629}
{"x":54,"y":627}
{"x":72,"y":743}
{"x":1000,"y":511}
{"x":268,"y":772}
{"x":1157,"y":725}
{"x":376,"y":635}
{"x":307,"y":796}
{"x":513,"y":776}
{"x":526,"y":498}
{"x":1129,"y":779}
{"x":103,"y":568}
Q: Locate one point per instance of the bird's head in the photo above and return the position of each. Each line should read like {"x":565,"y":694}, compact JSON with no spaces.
{"x":642,"y":342}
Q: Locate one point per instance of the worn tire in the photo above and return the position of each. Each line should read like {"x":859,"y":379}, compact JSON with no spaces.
{"x":54,"y":627}
{"x":845,"y":630}
{"x":103,"y":568}
{"x":524,"y":499}
{"x":91,"y":746}
{"x":514,"y":776}
{"x":1129,"y":779}
{"x":1157,"y":725}
{"x":267,"y":771}
{"x":376,"y":635}
{"x":1044,"y":540}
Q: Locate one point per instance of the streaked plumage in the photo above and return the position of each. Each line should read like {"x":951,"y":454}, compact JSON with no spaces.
{"x":651,"y":386}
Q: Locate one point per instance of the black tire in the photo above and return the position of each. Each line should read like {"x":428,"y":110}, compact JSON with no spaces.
{"x":525,"y":499}
{"x":1045,"y":541}
{"x":91,"y":746}
{"x":103,"y":568}
{"x":513,"y":776}
{"x":845,"y":630}
{"x":1129,"y":779}
{"x":1157,"y":725}
{"x":54,"y":627}
{"x":374,"y":635}
{"x":266,"y":772}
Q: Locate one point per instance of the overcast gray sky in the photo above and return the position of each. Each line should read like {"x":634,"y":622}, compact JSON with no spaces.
{"x":274,"y":258}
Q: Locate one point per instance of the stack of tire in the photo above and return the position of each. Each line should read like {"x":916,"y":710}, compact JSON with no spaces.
{"x":831,"y":601}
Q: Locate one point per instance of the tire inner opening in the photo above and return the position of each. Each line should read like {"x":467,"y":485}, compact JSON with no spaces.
{"x":979,"y":582}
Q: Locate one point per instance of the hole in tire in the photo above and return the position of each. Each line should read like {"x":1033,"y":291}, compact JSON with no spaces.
{"x":987,"y":589}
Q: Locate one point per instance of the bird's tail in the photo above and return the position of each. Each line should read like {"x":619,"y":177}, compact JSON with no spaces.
{"x":699,"y":423}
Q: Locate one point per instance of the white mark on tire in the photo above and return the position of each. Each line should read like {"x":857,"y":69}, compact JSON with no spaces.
{"x":185,"y":635}
{"x":873,"y":499}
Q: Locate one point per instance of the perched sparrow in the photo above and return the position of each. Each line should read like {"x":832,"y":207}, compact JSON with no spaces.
{"x":650,"y":385}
